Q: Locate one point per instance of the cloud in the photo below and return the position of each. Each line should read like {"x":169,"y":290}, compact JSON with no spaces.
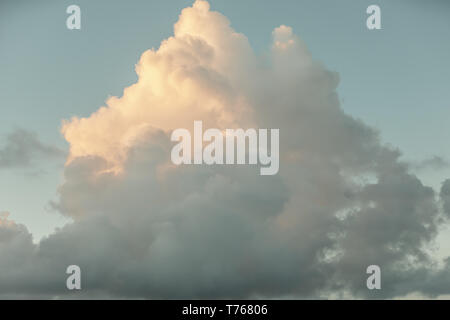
{"x":144,"y":228}
{"x":434,"y":163}
{"x":23,"y":149}
{"x":445,"y":196}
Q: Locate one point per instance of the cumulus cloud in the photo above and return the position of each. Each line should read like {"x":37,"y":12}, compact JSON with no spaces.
{"x":23,"y":149}
{"x":146,"y":228}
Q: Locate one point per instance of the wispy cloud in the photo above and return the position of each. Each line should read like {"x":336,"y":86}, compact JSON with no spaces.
{"x":23,"y":149}
{"x":433,"y":163}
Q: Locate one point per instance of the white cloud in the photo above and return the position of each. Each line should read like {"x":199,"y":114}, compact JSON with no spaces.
{"x":146,"y":228}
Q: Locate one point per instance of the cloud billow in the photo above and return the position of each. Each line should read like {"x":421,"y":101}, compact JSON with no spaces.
{"x":145,"y":228}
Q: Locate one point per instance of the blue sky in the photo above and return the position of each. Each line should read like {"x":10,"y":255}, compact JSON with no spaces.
{"x":396,"y":79}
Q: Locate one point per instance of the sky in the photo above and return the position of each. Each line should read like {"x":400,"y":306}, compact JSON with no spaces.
{"x":392,"y":81}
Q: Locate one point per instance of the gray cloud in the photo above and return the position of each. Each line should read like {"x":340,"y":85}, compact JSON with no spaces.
{"x":445,"y":196}
{"x":341,"y":201}
{"x":434,"y":163}
{"x":23,"y":149}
